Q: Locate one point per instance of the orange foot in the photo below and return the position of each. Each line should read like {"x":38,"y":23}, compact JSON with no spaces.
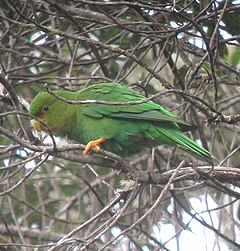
{"x":95,"y":144}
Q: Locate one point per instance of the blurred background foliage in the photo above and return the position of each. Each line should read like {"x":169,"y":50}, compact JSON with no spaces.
{"x":188,"y":51}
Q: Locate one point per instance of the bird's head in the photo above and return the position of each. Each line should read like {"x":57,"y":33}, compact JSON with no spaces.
{"x":42,"y":107}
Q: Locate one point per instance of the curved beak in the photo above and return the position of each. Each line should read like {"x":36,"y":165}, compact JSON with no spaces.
{"x":36,"y":125}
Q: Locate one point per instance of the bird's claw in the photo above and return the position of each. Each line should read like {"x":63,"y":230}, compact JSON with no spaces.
{"x":88,"y":150}
{"x":94,"y":144}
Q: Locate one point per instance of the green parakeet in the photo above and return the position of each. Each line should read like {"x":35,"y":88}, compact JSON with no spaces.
{"x":121,"y":129}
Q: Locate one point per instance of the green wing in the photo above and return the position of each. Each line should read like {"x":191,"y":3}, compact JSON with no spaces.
{"x":149,"y":111}
{"x":166,"y":128}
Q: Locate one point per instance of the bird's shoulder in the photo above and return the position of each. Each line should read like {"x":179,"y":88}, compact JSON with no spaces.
{"x":109,"y":92}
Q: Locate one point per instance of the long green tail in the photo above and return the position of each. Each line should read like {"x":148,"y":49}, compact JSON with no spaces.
{"x":187,"y":144}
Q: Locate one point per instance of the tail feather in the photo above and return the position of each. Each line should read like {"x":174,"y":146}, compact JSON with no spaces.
{"x":187,"y":144}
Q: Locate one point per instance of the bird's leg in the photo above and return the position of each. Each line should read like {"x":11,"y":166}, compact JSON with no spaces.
{"x":95,"y":144}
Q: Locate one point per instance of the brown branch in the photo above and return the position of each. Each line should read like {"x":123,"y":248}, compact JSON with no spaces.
{"x":205,"y":224}
{"x":222,"y":174}
{"x":41,"y":235}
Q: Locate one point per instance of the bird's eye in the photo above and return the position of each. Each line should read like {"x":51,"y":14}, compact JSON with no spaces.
{"x":46,"y":108}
